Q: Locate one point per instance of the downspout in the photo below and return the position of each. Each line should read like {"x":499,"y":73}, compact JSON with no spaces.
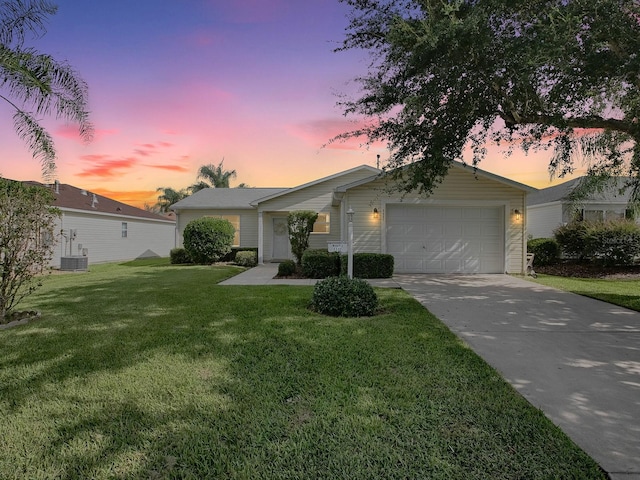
{"x":524,"y":234}
{"x":260,"y":239}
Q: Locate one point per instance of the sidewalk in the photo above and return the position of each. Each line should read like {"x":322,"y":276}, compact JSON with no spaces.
{"x":263,"y":275}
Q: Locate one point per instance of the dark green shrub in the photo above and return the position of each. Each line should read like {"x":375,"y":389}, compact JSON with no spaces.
{"x":246,"y":258}
{"x":344,"y":297}
{"x":546,"y":250}
{"x":572,"y":239}
{"x":320,"y":263}
{"x":286,"y":268}
{"x":178,"y":256}
{"x":300,"y":225}
{"x":614,"y":243}
{"x":369,"y":265}
{"x":208,"y":239}
{"x":610,"y":243}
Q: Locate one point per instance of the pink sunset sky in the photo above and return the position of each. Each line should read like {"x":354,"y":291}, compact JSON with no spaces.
{"x":178,"y":84}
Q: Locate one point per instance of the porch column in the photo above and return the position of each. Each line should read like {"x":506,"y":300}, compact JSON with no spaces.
{"x":260,"y":239}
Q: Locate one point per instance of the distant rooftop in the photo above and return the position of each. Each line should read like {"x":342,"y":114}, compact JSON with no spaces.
{"x":225,"y":197}
{"x":68,"y":196}
{"x":563,"y":191}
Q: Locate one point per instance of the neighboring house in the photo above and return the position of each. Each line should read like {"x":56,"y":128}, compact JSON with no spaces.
{"x":552,"y":207}
{"x":107,"y":230}
{"x":472,"y":223}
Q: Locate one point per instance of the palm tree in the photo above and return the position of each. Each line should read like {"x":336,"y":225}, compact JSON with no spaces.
{"x":36,"y":84}
{"x":169,"y":196}
{"x":214,"y":176}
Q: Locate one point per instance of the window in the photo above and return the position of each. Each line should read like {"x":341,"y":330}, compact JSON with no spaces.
{"x":604,"y":215}
{"x":323,"y":224}
{"x":593,"y":215}
{"x":124,"y":229}
{"x":235,"y":221}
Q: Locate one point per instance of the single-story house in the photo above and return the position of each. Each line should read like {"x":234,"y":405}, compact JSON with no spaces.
{"x":472,"y":223}
{"x":551,"y":207}
{"x":105,"y":230}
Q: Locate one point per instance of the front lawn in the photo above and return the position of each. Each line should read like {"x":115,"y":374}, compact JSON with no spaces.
{"x":623,"y":292}
{"x":156,"y":372}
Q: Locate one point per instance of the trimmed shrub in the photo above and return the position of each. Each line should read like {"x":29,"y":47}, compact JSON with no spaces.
{"x":246,"y":258}
{"x":208,"y":239}
{"x":344,"y":297}
{"x":320,"y":263}
{"x":286,"y":268}
{"x":369,"y":265}
{"x":546,"y":250}
{"x":231,"y":256}
{"x":179,"y":256}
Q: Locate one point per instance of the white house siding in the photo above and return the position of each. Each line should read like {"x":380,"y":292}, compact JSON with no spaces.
{"x":543,"y":219}
{"x":459,"y":188}
{"x":101,"y":235}
{"x":248,"y":223}
{"x":318,"y":198}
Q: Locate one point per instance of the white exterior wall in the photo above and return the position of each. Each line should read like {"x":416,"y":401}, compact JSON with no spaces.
{"x":459,"y":188}
{"x":101,"y":234}
{"x":543,"y":219}
{"x":248,"y":223}
{"x":317,"y":198}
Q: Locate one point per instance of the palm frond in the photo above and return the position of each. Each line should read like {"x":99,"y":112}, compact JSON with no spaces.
{"x":38,"y":139}
{"x":20,"y":16}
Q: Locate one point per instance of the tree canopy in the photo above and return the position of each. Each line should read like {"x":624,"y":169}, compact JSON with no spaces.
{"x":213,"y":176}
{"x":445,"y":75}
{"x":35,"y":84}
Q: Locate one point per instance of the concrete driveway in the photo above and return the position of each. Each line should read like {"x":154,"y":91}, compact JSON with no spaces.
{"x":575,"y":358}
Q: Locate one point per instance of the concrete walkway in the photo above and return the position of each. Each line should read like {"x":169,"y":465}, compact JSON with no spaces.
{"x":575,"y":358}
{"x":263,"y":275}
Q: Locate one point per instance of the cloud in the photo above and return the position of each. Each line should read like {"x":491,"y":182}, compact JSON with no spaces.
{"x":71,"y":132}
{"x":204,"y":38}
{"x":320,"y":133}
{"x":172,"y":168}
{"x":107,"y":168}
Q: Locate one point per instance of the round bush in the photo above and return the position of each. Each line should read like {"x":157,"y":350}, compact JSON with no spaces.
{"x":287,"y":268}
{"x":246,"y":259}
{"x":344,"y":297}
{"x":208,"y":239}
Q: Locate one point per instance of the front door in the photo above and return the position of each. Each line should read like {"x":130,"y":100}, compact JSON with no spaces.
{"x":280,"y":238}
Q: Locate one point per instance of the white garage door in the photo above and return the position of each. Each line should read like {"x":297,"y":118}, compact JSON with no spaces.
{"x":440,"y":239}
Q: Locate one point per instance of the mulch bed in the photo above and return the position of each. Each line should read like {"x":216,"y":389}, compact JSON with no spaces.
{"x":588,"y":270}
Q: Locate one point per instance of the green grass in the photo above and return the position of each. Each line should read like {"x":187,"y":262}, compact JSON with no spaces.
{"x":156,"y":372}
{"x":625,"y":293}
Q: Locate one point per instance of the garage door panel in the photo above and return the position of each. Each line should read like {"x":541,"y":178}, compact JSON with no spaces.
{"x":443,"y":239}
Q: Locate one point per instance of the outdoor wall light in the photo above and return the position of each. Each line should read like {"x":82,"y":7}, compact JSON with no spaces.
{"x":376,"y":215}
{"x":517,"y":214}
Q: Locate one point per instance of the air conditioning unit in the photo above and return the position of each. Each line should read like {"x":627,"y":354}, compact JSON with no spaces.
{"x":74,"y":263}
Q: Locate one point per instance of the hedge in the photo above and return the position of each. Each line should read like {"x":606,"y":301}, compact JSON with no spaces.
{"x":319,"y":263}
{"x":369,"y":265}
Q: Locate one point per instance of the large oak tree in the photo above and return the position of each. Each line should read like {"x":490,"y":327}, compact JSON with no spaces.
{"x":447,"y":75}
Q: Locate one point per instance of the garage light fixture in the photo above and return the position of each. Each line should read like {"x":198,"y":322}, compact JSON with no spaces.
{"x":376,"y":215}
{"x":517,"y":214}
